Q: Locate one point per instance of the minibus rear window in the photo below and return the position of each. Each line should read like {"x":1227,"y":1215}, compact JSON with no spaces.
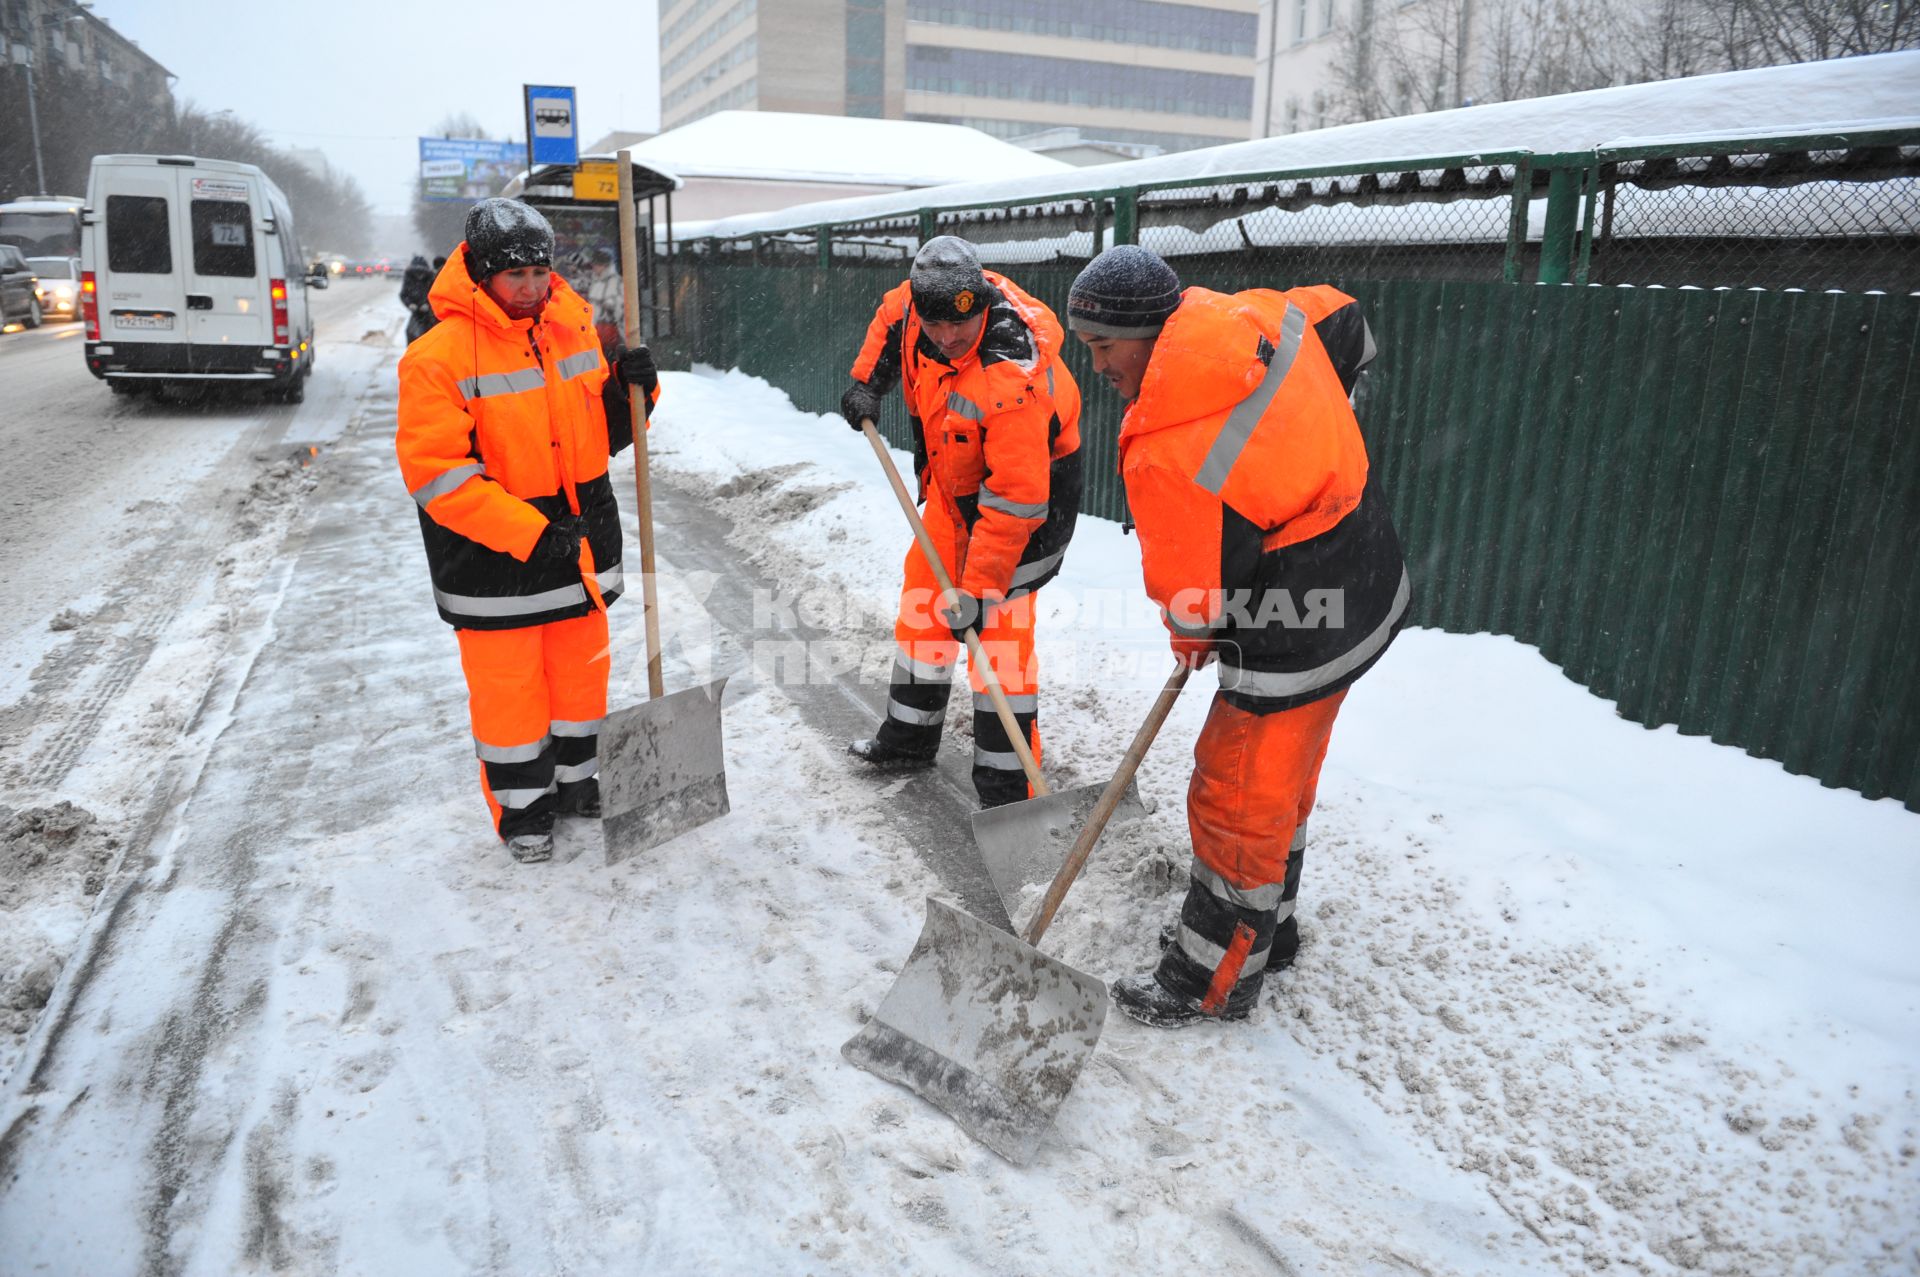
{"x":138,"y":240}
{"x":222,"y":238}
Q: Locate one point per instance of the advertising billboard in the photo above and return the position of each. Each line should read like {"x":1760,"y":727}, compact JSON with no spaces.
{"x":467,"y":169}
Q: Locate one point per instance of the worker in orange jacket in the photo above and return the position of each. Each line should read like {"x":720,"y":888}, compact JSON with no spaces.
{"x":509,"y":412}
{"x":1265,"y":546}
{"x":996,"y":431}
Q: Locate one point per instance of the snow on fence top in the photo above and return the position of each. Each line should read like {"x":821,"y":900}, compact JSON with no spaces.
{"x":1817,"y":97}
{"x":784,"y":146}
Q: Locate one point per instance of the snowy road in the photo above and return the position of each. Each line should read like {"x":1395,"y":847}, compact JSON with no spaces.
{"x":1570,"y":998}
{"x":134,"y":538}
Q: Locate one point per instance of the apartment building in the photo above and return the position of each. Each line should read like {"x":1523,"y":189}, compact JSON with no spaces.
{"x":1145,"y":72}
{"x":59,"y":36}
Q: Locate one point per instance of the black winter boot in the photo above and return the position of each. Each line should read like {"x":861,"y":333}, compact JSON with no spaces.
{"x":881,"y":756}
{"x":531,"y":849}
{"x":1145,"y":999}
{"x":582,"y":798}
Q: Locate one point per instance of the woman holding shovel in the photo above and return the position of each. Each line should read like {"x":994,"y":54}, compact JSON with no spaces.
{"x":996,"y":421}
{"x":1266,"y":547}
{"x":508,"y":416}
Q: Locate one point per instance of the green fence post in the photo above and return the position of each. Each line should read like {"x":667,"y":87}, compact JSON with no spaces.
{"x":825,"y":245}
{"x":1563,"y":220}
{"x":929,"y":225}
{"x":1126,"y":217}
{"x":1517,"y":220}
{"x":1591,"y":180}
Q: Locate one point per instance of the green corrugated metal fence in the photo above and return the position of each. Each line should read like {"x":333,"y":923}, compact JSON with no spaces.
{"x":1704,"y":506}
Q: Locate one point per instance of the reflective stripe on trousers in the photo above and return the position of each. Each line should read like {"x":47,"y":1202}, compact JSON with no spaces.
{"x":539,"y":690}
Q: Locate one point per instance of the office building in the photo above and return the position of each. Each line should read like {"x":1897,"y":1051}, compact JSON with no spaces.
{"x":1173,"y":76}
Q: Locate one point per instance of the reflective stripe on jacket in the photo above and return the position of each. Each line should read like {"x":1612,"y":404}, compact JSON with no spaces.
{"x":503,"y":427}
{"x":996,"y":433}
{"x":1247,"y":477}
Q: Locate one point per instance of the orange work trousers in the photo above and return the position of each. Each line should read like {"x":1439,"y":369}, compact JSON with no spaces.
{"x":923,"y":669}
{"x":536,"y":696}
{"x":1255,"y":777}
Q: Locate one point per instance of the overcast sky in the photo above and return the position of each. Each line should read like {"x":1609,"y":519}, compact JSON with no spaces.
{"x":363,"y":79}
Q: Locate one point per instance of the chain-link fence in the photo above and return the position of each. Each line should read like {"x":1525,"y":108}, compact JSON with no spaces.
{"x":1814,"y":214}
{"x":1447,"y":222}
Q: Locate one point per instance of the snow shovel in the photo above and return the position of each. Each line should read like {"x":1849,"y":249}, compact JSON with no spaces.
{"x":984,"y":1026}
{"x":1009,"y":869}
{"x":662,"y":769}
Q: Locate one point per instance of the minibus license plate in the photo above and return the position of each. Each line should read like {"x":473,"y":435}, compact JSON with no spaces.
{"x":127,"y":319}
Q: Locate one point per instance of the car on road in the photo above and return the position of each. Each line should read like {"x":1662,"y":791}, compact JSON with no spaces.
{"x":191,"y":272}
{"x":19,"y":289}
{"x":59,"y":285}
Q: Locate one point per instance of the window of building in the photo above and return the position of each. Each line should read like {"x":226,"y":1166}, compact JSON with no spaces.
{"x":1141,"y":22}
{"x":866,"y":57}
{"x":727,"y":21}
{"x":1327,"y":15}
{"x":743,"y":52}
{"x":1020,"y":77}
{"x":1293,"y":115}
{"x":1319,"y":110}
{"x":1299,"y":20}
{"x":1091,"y":133}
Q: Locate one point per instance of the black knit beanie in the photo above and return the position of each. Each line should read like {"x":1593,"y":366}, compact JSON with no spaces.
{"x":504,"y":234}
{"x":1125,"y":292}
{"x":948,"y":284}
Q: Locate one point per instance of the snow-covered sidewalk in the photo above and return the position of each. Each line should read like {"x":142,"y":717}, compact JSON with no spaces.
{"x":1573,"y":993}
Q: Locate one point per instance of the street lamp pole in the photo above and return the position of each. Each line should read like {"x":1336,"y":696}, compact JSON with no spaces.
{"x":33,"y":120}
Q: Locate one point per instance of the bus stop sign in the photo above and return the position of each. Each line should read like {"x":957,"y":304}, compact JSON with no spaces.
{"x":552,"y":134}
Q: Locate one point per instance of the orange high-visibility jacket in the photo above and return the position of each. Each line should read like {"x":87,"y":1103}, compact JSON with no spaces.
{"x":1248,"y":479}
{"x":503,"y":427}
{"x":996,"y":434}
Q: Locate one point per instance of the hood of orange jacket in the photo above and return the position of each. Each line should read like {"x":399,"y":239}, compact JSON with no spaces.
{"x":1206,"y":359}
{"x":456,"y":292}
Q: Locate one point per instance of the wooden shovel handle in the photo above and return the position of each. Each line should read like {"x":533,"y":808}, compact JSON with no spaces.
{"x":978,"y":655}
{"x":637,"y":406}
{"x":1103,"y":810}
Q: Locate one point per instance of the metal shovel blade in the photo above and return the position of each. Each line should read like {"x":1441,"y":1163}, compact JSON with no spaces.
{"x":986,"y":1028}
{"x":1027,"y":842}
{"x":662,"y":770}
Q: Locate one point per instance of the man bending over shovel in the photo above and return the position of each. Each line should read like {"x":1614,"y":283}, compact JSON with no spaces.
{"x":1266,"y":546}
{"x":996,"y":419}
{"x":508,"y":415}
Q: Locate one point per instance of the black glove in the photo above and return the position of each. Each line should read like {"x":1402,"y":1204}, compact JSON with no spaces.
{"x":963,"y":615}
{"x":638,"y":369}
{"x":560,"y":541}
{"x":861,"y":402}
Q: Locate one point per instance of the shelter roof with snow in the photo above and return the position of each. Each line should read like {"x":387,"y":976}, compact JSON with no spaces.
{"x":785,"y":146}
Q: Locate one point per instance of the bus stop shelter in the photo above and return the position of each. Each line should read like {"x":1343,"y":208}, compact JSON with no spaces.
{"x":581,"y":201}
